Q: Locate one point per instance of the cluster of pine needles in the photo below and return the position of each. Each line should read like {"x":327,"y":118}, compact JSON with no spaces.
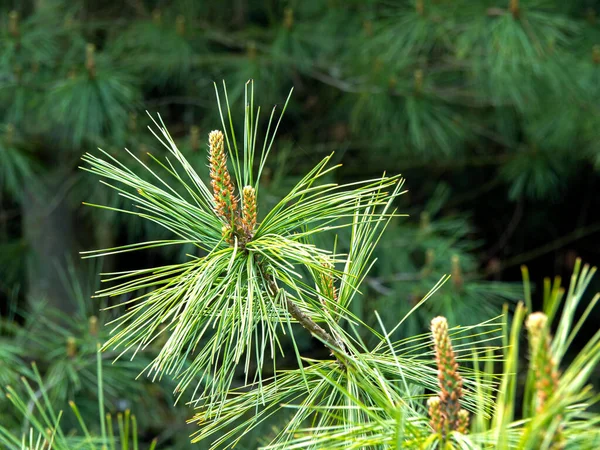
{"x":242,"y":298}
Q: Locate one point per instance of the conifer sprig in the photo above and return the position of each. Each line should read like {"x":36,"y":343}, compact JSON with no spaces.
{"x":242,"y":293}
{"x":354,"y":406}
{"x":555,"y":405}
{"x":46,"y":429}
{"x":235,"y":300}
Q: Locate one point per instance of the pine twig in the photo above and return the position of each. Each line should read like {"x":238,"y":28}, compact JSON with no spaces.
{"x":310,"y":325}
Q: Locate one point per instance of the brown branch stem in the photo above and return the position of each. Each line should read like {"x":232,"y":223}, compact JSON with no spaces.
{"x":336,"y":347}
{"x":310,"y":325}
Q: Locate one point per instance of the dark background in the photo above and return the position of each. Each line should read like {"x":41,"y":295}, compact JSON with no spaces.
{"x":490,"y":109}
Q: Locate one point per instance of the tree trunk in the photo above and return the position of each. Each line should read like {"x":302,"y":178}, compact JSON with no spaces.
{"x":48,"y":231}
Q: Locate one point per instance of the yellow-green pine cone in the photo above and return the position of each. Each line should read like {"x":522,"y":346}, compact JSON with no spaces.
{"x":249,"y":211}
{"x":330,"y":292}
{"x":71,"y":347}
{"x":436,"y":418}
{"x":462,"y":425}
{"x":93,"y":325}
{"x":450,"y":381}
{"x":223,"y":191}
{"x":544,"y":365}
{"x":227,"y":234}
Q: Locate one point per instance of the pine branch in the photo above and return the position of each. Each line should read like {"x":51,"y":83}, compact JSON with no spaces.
{"x":336,"y":347}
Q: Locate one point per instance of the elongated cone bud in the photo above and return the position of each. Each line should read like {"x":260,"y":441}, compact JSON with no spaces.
{"x":180,"y":25}
{"x":544,"y":365}
{"x":223,"y":191}
{"x":457,"y":277}
{"x":436,"y":419}
{"x":450,"y":381}
{"x":596,"y":54}
{"x":429,"y":256}
{"x":288,"y":18}
{"x":90,"y":59}
{"x":71,"y":347}
{"x":514,"y":8}
{"x":545,"y":370}
{"x":330,"y":292}
{"x":227,"y":234}
{"x":462,"y":425}
{"x":93,"y":325}
{"x":418,"y":81}
{"x":419,"y":7}
{"x":13,"y":23}
{"x":249,"y":212}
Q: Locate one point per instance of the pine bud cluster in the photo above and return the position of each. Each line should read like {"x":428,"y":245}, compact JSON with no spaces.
{"x":237,"y":226}
{"x":544,"y":366}
{"x":223,"y":191}
{"x":249,"y":211}
{"x":445,"y":411}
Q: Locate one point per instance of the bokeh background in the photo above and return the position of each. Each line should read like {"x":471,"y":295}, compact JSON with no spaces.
{"x":489,"y":108}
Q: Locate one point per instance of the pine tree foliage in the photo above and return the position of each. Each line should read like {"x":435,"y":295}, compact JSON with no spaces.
{"x":158,"y":50}
{"x":49,"y":431}
{"x":92,"y":103}
{"x":561,"y":420}
{"x":238,"y":265}
{"x":430,"y":249}
{"x":435,"y":78}
{"x":368,"y":392}
{"x":16,"y":166}
{"x":509,"y":87}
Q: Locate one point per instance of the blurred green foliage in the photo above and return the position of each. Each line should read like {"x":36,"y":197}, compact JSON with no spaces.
{"x":470,"y":99}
